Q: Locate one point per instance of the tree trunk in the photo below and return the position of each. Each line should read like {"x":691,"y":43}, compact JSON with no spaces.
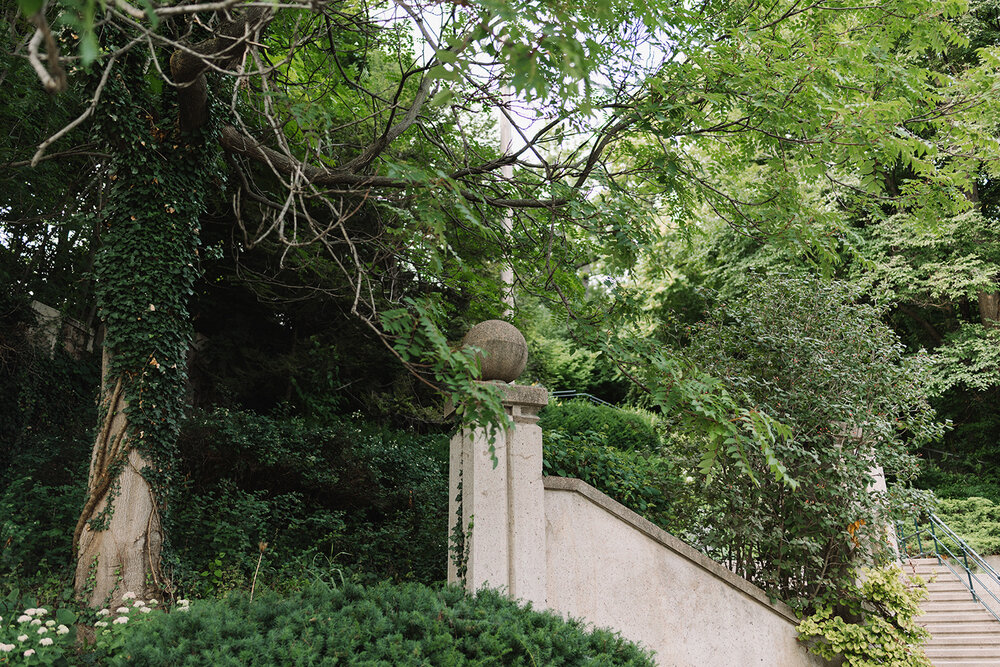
{"x":118,"y":547}
{"x":144,"y":274}
{"x":146,"y":270}
{"x":989,"y":309}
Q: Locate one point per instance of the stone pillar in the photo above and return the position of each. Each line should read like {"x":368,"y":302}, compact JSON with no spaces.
{"x":504,"y":505}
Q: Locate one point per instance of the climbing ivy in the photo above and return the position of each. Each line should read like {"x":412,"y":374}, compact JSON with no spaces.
{"x":148,"y":265}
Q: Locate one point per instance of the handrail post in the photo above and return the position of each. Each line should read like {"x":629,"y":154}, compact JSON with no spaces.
{"x":937,"y":549}
{"x":900,"y":539}
{"x":965,"y":558}
{"x":916,"y":532}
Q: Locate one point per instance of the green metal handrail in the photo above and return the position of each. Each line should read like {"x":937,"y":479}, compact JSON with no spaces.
{"x":571,"y":394}
{"x":947,"y":556}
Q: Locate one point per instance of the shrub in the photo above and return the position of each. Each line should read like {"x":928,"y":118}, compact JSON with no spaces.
{"x":648,"y":485}
{"x":948,"y":483}
{"x":625,"y":429}
{"x":47,"y":418}
{"x":35,"y":636}
{"x":407,"y":624}
{"x":368,"y":498}
{"x":879,"y":628}
{"x":975,"y":520}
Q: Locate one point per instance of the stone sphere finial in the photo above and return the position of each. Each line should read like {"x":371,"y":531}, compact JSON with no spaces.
{"x":504,"y":350}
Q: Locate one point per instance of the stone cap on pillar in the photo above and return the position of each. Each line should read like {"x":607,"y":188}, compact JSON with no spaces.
{"x":504,"y":350}
{"x":525,"y":394}
{"x":524,"y":401}
{"x":522,"y":396}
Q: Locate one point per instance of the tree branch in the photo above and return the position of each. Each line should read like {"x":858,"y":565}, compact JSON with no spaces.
{"x":236,"y":142}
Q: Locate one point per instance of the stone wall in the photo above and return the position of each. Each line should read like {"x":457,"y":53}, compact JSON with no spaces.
{"x":610,"y":566}
{"x":562,"y":545}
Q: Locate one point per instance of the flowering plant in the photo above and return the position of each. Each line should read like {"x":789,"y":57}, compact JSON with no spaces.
{"x":112,"y":626}
{"x":36,"y":637}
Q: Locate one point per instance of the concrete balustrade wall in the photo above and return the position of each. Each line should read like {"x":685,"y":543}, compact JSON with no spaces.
{"x":562,"y":545}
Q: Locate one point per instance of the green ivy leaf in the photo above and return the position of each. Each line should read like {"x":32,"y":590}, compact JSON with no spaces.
{"x":30,"y":7}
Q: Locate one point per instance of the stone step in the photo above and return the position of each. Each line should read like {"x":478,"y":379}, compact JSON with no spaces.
{"x":939,"y":573}
{"x":951,"y":583}
{"x":978,"y":616}
{"x":963,"y":633}
{"x":959,"y":594}
{"x":953,"y":652}
{"x":935,"y":605}
{"x":962,"y":628}
{"x":970,"y":639}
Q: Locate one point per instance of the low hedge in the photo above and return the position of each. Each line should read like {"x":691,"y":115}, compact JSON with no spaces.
{"x":623,"y":429}
{"x":390,"y":625}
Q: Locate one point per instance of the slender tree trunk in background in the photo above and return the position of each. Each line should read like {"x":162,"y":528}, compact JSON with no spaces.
{"x":989,"y":302}
{"x":989,"y":309}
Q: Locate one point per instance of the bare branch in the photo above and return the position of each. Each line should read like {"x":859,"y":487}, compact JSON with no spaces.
{"x":54,"y":78}
{"x":79,"y":119}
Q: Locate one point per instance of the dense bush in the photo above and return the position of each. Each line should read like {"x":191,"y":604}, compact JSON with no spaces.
{"x":47,"y":416}
{"x":362,"y":497}
{"x":872,"y":625}
{"x":975,"y":520}
{"x":338,"y":490}
{"x":625,"y":429}
{"x":816,"y":356}
{"x":647,"y":484}
{"x":407,"y":624}
{"x":948,"y":482}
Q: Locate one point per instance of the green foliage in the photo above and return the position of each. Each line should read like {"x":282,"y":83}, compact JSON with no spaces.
{"x":147,"y":267}
{"x":112,"y":628}
{"x":874,"y":624}
{"x":557,"y":360}
{"x":645,"y":483}
{"x":975,"y":520}
{"x":963,"y":463}
{"x":46,"y":422}
{"x":815,"y":356}
{"x":407,"y":624}
{"x":625,"y":429}
{"x":419,"y":340}
{"x":559,"y":364}
{"x":947,"y":482}
{"x":36,"y":635}
{"x":729,"y":115}
{"x":369,"y":499}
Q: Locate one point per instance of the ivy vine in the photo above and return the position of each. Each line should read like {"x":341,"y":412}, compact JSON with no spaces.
{"x":146,"y":271}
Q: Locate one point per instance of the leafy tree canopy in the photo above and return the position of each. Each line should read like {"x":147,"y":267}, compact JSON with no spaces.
{"x":350,"y":145}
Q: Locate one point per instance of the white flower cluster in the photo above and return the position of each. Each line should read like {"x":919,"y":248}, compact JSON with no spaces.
{"x":33,"y":618}
{"x":142,"y":606}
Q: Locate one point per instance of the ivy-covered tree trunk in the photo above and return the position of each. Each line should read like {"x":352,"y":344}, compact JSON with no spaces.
{"x":163,"y":150}
{"x":145,"y":273}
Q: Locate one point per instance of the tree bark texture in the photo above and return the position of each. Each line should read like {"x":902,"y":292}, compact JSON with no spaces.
{"x":989,"y":309}
{"x":124,"y":555}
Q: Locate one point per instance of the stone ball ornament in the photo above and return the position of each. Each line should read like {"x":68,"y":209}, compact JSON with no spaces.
{"x":504,"y":352}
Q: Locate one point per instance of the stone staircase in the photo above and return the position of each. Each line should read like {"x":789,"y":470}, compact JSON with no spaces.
{"x":963,"y":633}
